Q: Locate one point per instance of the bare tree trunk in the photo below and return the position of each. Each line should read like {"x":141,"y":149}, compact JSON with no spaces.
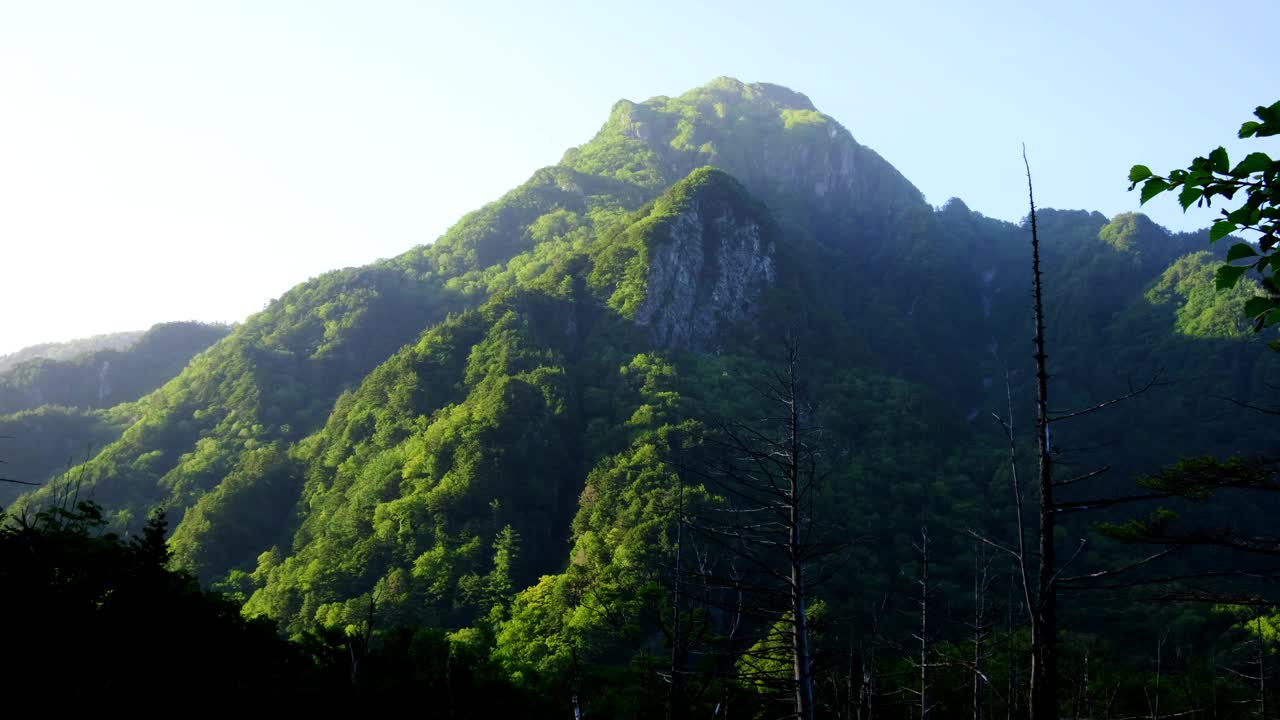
{"x":850,"y":702}
{"x":1082,"y":701}
{"x":800,"y":645}
{"x":923,"y":549}
{"x":980,"y":585}
{"x":1019,"y":573}
{"x":801,"y":664}
{"x":575,"y":686}
{"x":1262,"y":671}
{"x":358,"y":650}
{"x":1044,"y":616}
{"x":1011,"y":698}
{"x":866,"y":693}
{"x":771,"y":476}
{"x":1153,"y":703}
{"x":871,"y":682}
{"x":1213,"y":681}
{"x":675,"y":704}
{"x":795,"y":552}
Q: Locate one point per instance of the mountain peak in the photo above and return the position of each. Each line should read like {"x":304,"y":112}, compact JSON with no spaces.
{"x":1129,"y":232}
{"x":769,"y":137}
{"x":778,"y":95}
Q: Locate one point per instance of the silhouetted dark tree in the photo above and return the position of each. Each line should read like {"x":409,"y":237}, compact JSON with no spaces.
{"x":769,"y":473}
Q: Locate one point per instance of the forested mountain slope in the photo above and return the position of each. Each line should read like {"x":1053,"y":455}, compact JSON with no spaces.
{"x":62,"y":401}
{"x":71,"y":348}
{"x":105,"y":377}
{"x":479,"y":431}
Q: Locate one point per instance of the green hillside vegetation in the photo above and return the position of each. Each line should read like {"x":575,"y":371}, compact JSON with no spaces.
{"x":60,"y":403}
{"x":70,"y":349}
{"x":103,"y":378}
{"x":487,"y":447}
{"x":42,"y":443}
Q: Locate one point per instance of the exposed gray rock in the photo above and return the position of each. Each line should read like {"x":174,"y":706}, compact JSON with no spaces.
{"x":706,"y":271}
{"x":104,"y":383}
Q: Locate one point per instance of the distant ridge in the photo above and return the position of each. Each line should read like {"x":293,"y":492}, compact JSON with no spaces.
{"x":70,"y":349}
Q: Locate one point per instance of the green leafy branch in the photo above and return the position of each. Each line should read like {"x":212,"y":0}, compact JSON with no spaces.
{"x":1257,"y":178}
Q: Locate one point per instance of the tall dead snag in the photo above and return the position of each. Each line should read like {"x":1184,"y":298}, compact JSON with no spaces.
{"x":1011,"y":696}
{"x":1153,"y":695}
{"x":795,"y":457}
{"x":1040,"y":596}
{"x":1044,"y":614}
{"x":675,"y":694}
{"x":980,"y":626}
{"x":869,"y":689}
{"x":1258,"y":661}
{"x":697,"y":586}
{"x":926,"y":594}
{"x":768,"y":474}
{"x":1261,"y":657}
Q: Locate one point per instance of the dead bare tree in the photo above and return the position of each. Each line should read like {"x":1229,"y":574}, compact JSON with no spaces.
{"x":1083,"y":706}
{"x":1044,"y":613}
{"x":1262,"y":667}
{"x":1011,"y":697}
{"x":768,"y":473}
{"x":1153,"y":696}
{"x":675,"y":694}
{"x":869,"y":690}
{"x":980,"y":626}
{"x":1040,"y":597}
{"x":923,"y":636}
{"x":360,"y":647}
{"x":1259,"y":662}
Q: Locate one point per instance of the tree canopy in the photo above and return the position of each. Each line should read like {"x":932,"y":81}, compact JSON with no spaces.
{"x":1255,"y":181}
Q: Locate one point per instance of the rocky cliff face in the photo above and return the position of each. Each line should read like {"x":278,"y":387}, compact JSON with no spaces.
{"x":707,"y":270}
{"x":800,"y":162}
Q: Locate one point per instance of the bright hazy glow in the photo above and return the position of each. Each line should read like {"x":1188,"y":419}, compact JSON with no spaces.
{"x":164,"y":161}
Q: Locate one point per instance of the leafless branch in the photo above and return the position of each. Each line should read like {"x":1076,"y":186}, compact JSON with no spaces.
{"x":1117,"y":571}
{"x":1059,"y":415}
{"x":1082,"y":477}
{"x":1256,"y":408}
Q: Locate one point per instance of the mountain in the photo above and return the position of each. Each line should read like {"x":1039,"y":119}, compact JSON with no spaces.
{"x":70,"y":348}
{"x":479,"y":431}
{"x":60,"y":401}
{"x":105,"y":376}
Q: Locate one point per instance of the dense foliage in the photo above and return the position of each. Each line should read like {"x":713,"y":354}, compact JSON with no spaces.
{"x":104,"y":378}
{"x":61,"y":403}
{"x":1257,"y":178}
{"x":105,"y":623}
{"x":70,"y":349}
{"x":487,"y":438}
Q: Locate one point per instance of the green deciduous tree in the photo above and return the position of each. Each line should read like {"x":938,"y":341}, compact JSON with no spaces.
{"x":1256,"y":180}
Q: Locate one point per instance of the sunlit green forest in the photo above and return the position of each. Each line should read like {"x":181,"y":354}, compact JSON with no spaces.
{"x":540,"y":466}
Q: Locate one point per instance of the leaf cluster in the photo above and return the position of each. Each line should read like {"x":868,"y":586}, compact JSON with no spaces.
{"x":1257,"y":179}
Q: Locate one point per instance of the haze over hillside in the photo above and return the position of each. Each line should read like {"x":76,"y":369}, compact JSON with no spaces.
{"x":192,"y":161}
{"x":59,"y":402}
{"x":490,"y":434}
{"x":68,"y":349}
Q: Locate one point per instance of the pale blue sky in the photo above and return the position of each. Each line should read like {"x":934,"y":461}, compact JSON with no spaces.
{"x":176,"y":160}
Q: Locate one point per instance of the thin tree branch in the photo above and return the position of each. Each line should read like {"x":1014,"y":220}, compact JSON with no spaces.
{"x":1116,"y":571}
{"x":1059,"y":415}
